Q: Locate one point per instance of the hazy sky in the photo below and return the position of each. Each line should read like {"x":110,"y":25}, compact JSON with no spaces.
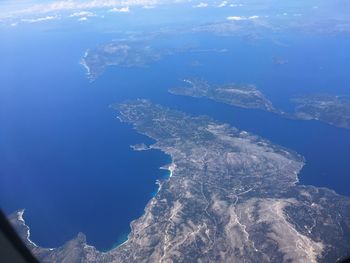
{"x":335,"y":9}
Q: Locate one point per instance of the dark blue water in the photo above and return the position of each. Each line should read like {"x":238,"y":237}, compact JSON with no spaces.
{"x":311,"y":68}
{"x":63,"y":155}
{"x":65,"y":158}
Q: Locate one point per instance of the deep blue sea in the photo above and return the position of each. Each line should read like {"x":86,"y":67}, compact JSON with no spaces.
{"x":66,"y":159}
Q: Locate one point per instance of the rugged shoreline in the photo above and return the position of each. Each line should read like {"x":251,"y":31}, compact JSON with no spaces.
{"x":232,"y":196}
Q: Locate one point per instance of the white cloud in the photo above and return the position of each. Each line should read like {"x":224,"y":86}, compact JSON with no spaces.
{"x":149,"y":6}
{"x":70,"y":5}
{"x":239,"y":18}
{"x":82,"y":14}
{"x":236,"y":5}
{"x":223,"y":4}
{"x":236,"y":18}
{"x":200,"y":5}
{"x":120,"y":10}
{"x":83,"y":18}
{"x":40,"y":19}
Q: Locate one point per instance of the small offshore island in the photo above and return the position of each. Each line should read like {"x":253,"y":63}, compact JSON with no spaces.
{"x":140,"y":147}
{"x":231,"y":197}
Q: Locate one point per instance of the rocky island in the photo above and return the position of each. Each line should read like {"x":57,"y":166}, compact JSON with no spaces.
{"x":334,"y":110}
{"x":245,"y":96}
{"x":232,"y":197}
{"x":140,"y":147}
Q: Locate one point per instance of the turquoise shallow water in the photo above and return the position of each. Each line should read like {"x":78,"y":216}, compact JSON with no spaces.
{"x":66,"y":159}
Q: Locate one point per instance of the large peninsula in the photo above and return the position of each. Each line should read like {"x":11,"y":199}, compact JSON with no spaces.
{"x":232,"y":197}
{"x":117,"y":53}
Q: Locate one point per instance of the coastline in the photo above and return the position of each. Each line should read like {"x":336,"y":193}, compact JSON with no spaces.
{"x":87,"y":68}
{"x":171,"y":168}
{"x":21,"y":220}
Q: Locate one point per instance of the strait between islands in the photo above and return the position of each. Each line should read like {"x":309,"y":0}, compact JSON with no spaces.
{"x":331,"y":109}
{"x":232,"y":197}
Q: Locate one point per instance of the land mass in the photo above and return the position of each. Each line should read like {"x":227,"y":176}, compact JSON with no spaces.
{"x":245,"y":96}
{"x":232,"y":197}
{"x":129,"y":54}
{"x":140,"y":147}
{"x":334,"y":110}
{"x":118,"y":53}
